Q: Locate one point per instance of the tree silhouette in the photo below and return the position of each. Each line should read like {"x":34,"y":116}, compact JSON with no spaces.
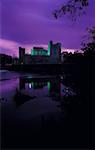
{"x":89,"y":47}
{"x":73,"y":8}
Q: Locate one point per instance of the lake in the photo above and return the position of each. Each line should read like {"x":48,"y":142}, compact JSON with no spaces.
{"x":41,"y":111}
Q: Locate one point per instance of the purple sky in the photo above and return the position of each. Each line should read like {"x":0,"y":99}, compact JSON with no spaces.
{"x":30,"y":23}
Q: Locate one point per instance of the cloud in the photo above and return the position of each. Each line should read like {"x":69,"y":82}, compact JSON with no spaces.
{"x":29,"y":22}
{"x":8,"y":44}
{"x":11,"y":47}
{"x":8,"y":47}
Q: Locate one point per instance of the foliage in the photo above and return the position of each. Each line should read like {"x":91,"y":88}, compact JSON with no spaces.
{"x":89,"y":47}
{"x":75,"y":8}
{"x":5,"y":59}
{"x":72,"y":8}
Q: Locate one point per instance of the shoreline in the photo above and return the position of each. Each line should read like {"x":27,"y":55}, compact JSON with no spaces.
{"x":39,"y":68}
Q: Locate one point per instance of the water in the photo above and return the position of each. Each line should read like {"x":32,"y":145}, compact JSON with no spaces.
{"x":40,"y":111}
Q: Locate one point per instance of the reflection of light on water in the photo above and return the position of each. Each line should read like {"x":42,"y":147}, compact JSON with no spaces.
{"x":30,"y":85}
{"x":66,"y":91}
{"x":48,"y":84}
{"x":61,"y":77}
{"x":29,"y":77}
{"x":33,"y":85}
{"x":3,"y":71}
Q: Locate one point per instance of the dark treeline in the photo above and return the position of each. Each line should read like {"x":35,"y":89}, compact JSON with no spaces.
{"x":82,"y":79}
{"x":5,"y":59}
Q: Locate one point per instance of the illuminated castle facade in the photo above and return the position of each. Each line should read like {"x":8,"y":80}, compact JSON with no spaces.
{"x":40,"y":55}
{"x":54,"y":51}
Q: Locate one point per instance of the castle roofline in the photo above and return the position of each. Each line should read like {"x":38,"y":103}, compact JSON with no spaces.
{"x":37,"y":48}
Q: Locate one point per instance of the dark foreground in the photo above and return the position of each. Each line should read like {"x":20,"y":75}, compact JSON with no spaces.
{"x":55,"y":111}
{"x":39,"y":68}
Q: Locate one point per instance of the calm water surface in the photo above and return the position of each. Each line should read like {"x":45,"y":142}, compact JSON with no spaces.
{"x":40,"y":111}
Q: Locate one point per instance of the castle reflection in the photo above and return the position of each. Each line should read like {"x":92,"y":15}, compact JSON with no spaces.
{"x":37,"y":85}
{"x":51,"y":87}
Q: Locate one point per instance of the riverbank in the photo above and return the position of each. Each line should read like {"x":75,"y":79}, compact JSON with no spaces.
{"x":34,"y":68}
{"x":40,"y":68}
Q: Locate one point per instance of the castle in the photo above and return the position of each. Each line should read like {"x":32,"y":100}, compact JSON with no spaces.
{"x":40,"y":55}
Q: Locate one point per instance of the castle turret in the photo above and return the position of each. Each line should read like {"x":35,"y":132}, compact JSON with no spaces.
{"x":54,"y":50}
{"x":21,"y":55}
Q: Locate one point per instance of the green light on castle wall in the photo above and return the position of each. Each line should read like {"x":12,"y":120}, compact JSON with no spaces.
{"x":49,"y":49}
{"x":40,"y":52}
{"x":32,"y":52}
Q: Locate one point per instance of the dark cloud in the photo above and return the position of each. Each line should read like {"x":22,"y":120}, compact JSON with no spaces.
{"x":31,"y":22}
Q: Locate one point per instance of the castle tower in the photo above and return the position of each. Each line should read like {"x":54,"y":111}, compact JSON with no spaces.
{"x":55,"y":52}
{"x":49,"y":47}
{"x":21,"y":55}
